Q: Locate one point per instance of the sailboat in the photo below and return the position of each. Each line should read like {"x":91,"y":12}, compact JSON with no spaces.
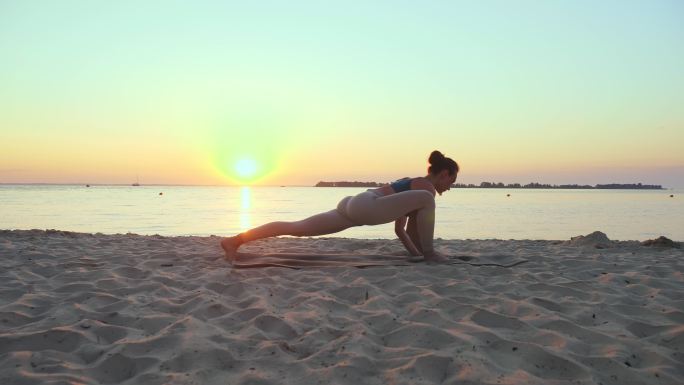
{"x":137,"y":181}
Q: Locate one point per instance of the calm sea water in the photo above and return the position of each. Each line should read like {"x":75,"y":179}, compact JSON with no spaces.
{"x":461,"y":213}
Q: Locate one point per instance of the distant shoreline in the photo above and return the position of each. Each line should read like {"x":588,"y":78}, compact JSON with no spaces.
{"x":610,"y":186}
{"x":614,"y":186}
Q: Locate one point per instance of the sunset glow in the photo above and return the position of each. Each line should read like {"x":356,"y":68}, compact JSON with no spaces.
{"x":232,"y":93}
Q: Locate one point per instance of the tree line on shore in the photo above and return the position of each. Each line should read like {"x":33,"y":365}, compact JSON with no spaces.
{"x":534,"y":185}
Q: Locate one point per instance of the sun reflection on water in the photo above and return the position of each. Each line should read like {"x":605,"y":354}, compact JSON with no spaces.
{"x":245,"y":205}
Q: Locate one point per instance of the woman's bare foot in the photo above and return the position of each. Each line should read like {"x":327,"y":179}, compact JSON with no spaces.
{"x":436,"y":258}
{"x":230,"y":246}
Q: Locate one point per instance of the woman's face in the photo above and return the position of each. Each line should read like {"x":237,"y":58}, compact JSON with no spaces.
{"x":444,"y":181}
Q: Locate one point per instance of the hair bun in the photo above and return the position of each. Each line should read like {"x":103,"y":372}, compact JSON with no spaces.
{"x":436,"y":157}
{"x":439,"y":163}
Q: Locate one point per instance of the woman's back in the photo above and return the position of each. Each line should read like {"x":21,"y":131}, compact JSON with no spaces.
{"x":403,"y":184}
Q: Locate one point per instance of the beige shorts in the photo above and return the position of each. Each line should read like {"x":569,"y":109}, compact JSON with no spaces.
{"x":371,"y":208}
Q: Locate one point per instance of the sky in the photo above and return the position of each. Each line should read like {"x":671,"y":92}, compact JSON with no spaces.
{"x":295,"y":92}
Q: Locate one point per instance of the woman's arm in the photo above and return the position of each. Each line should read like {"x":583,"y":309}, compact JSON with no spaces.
{"x":404,"y":237}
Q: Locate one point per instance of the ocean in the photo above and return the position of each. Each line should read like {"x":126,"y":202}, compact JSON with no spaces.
{"x":461,"y":213}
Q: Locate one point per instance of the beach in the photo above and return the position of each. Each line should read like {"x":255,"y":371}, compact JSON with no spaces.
{"x":82,"y":308}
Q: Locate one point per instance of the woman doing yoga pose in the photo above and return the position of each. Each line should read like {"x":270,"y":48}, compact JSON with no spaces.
{"x":407,"y":200}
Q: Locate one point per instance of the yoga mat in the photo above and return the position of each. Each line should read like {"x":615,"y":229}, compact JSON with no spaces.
{"x":300,"y":261}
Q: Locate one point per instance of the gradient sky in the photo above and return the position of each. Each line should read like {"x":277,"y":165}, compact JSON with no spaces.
{"x":181,"y":91}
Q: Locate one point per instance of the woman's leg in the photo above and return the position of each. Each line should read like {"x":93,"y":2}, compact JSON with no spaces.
{"x":388,"y":208}
{"x":324,"y":223}
{"x":412,"y":229}
{"x":425,"y":222}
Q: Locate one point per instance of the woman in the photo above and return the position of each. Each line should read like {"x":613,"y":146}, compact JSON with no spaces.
{"x":409,"y":200}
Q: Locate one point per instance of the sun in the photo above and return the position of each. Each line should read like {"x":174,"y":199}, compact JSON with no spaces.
{"x":246,"y":168}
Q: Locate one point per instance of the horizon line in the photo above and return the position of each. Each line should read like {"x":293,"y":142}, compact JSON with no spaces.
{"x":275,"y":185}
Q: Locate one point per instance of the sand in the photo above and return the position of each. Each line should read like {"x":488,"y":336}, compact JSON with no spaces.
{"x":102,"y":309}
